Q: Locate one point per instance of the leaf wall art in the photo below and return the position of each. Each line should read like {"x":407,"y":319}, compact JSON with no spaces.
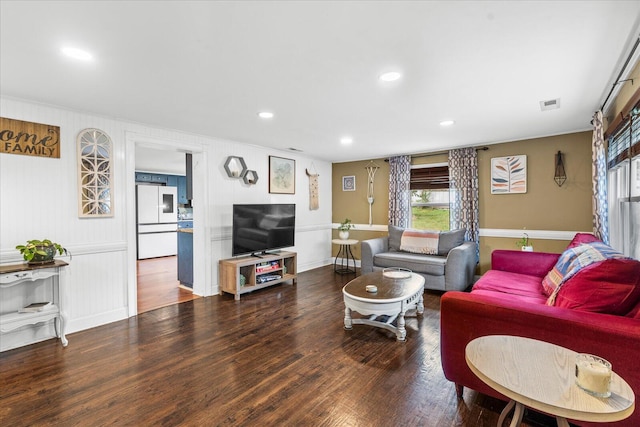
{"x":509,"y":175}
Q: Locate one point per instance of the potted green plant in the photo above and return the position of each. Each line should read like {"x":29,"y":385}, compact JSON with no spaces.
{"x":40,"y":251}
{"x":524,"y":244}
{"x":344,"y":228}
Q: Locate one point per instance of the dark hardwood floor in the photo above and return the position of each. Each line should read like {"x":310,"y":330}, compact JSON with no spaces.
{"x":277,"y":357}
{"x":158,"y":284}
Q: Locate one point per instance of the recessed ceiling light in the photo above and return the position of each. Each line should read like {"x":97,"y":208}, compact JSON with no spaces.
{"x":78,"y":54}
{"x":346,"y":140}
{"x":265,"y":115}
{"x":446,"y":123}
{"x":391,"y":76}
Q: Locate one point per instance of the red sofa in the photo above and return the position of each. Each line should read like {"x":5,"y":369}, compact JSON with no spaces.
{"x":510,"y":300}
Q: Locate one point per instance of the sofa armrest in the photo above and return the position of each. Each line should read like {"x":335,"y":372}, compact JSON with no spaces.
{"x":460,"y":267}
{"x":530,"y":263}
{"x":466,"y":316}
{"x":368,"y":249}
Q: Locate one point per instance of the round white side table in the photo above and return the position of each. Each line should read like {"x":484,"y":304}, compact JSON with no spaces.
{"x":344,"y":255}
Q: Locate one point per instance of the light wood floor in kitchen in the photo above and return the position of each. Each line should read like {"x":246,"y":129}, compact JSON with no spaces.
{"x":158,"y":284}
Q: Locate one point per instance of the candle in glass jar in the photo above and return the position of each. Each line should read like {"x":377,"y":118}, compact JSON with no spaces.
{"x":593,"y":374}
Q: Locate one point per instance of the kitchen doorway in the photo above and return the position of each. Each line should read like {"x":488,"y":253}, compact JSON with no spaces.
{"x":161,"y":271}
{"x":161,"y":204}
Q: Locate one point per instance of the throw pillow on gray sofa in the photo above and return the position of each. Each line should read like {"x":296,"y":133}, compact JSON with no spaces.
{"x":449,"y":240}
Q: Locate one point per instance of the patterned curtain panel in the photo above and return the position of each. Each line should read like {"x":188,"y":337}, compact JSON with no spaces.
{"x":399,"y":177}
{"x":599,"y":180}
{"x":463,"y":197}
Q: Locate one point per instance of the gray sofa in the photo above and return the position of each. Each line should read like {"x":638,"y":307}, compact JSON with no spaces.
{"x":452,"y":269}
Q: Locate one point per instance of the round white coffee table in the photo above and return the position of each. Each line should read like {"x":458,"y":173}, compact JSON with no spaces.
{"x":541,"y":376}
{"x":394,"y":296}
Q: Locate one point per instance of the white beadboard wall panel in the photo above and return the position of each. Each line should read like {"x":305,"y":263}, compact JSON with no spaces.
{"x":95,"y":285}
{"x":50,"y":197}
{"x":314,"y":248}
{"x":45,"y":205}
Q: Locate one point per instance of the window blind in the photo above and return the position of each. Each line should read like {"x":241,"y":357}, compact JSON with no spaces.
{"x":430,"y":178}
{"x":624,"y":143}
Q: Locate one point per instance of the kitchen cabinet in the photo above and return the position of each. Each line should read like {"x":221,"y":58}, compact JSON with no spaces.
{"x":182,"y":190}
{"x":151,"y":177}
{"x":185,"y":257}
{"x":24,"y":284}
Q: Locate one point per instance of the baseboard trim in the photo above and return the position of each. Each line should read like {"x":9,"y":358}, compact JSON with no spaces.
{"x":88,"y":322}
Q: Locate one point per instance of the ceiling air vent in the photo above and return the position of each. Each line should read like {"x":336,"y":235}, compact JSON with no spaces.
{"x":551,"y":104}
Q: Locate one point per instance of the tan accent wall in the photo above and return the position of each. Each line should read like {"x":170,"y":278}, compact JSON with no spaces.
{"x":354,"y":205}
{"x":545,"y":206}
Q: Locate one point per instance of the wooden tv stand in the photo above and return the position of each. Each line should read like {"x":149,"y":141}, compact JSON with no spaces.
{"x":255,"y":271}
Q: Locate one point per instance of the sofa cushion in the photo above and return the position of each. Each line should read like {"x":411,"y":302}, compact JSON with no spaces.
{"x":449,"y":240}
{"x":572,"y":261}
{"x":427,"y":264}
{"x":511,"y":284}
{"x":395,"y":235}
{"x":581,"y":238}
{"x":635,"y":311}
{"x":509,"y":298}
{"x":420,"y":242}
{"x":611,"y":286}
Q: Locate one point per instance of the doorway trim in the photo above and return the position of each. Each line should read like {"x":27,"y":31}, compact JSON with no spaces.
{"x":202,"y":283}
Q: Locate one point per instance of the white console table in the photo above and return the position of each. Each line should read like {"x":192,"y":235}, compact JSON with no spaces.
{"x":21,"y":285}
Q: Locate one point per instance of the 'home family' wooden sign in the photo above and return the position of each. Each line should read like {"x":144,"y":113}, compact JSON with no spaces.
{"x":29,"y":139}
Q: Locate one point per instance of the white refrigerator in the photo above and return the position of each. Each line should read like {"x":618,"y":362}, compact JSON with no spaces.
{"x":157,"y":208}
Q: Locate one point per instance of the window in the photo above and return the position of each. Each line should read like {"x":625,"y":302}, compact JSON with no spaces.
{"x":623,"y":178}
{"x":429,"y":188}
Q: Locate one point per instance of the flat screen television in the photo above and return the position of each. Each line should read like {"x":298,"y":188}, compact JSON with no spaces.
{"x":259,"y":228}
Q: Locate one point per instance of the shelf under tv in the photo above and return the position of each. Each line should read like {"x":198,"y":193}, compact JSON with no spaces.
{"x":230,"y":271}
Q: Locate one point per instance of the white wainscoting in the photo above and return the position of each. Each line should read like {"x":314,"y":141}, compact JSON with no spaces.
{"x":95,"y":288}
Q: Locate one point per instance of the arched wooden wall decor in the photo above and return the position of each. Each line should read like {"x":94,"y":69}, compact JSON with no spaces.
{"x":95,"y":174}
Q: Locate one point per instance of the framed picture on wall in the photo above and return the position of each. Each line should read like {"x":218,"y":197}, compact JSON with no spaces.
{"x":509,"y":175}
{"x":282,"y":175}
{"x":349,"y":183}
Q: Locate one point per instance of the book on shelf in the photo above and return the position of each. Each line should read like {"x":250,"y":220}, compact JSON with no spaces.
{"x":36,"y":307}
{"x":267,"y":278}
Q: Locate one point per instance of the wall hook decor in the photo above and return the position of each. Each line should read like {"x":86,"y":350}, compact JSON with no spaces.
{"x":559,"y":176}
{"x":314,"y":202}
{"x":371,"y":168}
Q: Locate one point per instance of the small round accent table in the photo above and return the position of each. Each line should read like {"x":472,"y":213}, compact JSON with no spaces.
{"x":541,"y":376}
{"x":344,"y":254}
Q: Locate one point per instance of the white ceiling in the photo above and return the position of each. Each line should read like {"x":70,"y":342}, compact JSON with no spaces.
{"x":208,"y":68}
